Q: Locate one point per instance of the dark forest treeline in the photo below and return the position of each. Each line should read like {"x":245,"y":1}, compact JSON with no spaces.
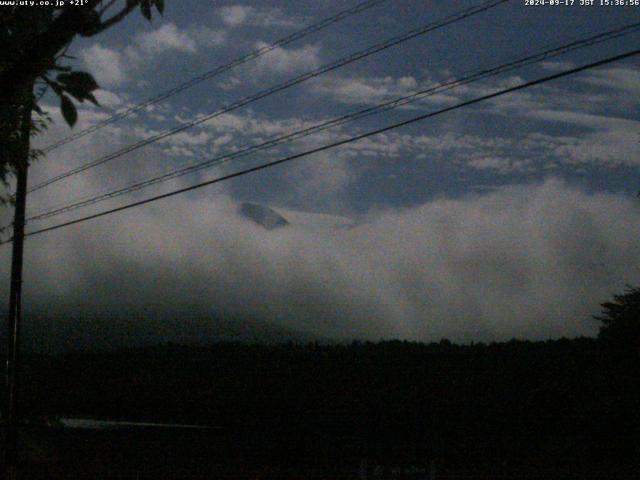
{"x":553,"y":402}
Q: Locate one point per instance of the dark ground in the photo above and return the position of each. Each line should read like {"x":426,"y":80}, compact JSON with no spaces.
{"x":563,"y":409}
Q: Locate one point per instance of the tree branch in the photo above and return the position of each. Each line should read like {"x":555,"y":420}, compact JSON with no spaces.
{"x":107,"y":7}
{"x":118,"y":17}
{"x":44,"y":47}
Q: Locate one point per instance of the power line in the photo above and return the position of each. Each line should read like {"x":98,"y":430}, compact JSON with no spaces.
{"x":456,"y":17}
{"x":339,"y":143}
{"x":322,"y":24}
{"x":290,"y":83}
{"x":385,"y":106}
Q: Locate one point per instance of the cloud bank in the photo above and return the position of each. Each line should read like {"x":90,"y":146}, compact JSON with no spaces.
{"x":529,"y":261}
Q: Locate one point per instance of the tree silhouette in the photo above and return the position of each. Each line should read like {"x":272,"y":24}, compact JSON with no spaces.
{"x":33,"y":44}
{"x":621,"y":321}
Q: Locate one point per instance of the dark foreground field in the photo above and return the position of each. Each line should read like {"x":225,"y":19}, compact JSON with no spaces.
{"x":559,"y":409}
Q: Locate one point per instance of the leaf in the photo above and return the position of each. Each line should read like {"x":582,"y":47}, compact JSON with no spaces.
{"x":69,"y":111}
{"x":79,"y":80}
{"x":79,"y":85}
{"x":93,"y":99}
{"x":76,"y":93}
{"x":160,"y":6}
{"x":55,"y":86}
{"x":145,"y":8}
{"x":90,"y":24}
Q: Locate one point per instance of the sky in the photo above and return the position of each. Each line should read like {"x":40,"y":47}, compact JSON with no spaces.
{"x":515,"y":217}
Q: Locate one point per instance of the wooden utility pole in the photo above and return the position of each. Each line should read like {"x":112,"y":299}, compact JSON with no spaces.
{"x":15,"y":295}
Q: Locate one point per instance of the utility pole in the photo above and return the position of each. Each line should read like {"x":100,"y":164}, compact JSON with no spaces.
{"x":11,"y":414}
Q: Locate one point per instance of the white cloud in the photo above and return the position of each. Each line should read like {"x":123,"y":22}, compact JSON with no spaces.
{"x":228,"y":122}
{"x":106,"y":65}
{"x":124,"y":170}
{"x":108,"y":99}
{"x":607,"y":148}
{"x":321,"y":182}
{"x":112,"y":68}
{"x":206,"y":37}
{"x":240,"y":15}
{"x":287,"y":61}
{"x":251,"y":124}
{"x":365,"y":90}
{"x":376,"y":90}
{"x":583,"y":119}
{"x":608,"y":140}
{"x":620,"y":79}
{"x":164,"y":39}
{"x":235,"y":15}
{"x":500,"y":165}
{"x":526,"y":261}
{"x":575,"y":126}
{"x":186,"y":138}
